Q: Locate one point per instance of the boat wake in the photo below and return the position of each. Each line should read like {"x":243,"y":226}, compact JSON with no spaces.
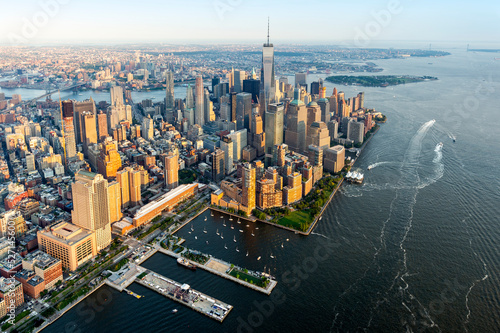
{"x":374,"y":165}
{"x":390,"y":255}
{"x":318,"y":234}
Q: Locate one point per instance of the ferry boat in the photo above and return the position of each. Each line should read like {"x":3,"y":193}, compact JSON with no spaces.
{"x":185,"y":263}
{"x":355,"y":177}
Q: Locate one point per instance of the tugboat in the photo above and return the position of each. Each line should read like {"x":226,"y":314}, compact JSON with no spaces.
{"x":185,"y":263}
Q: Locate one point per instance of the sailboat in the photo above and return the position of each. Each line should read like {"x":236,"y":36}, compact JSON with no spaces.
{"x":257,"y":228}
{"x":232,"y":227}
{"x":259,"y":258}
{"x":234,"y":238}
{"x":221,"y":236}
{"x":238,"y":221}
{"x":281,"y":245}
{"x":211,"y":214}
{"x":192,"y":229}
{"x":224,"y":223}
{"x":237,"y":249}
{"x":205,"y":218}
{"x":195,"y":237}
{"x":287,"y":239}
{"x":221,"y":217}
{"x":241,"y":230}
{"x":189,"y":232}
{"x":247,"y":254}
{"x":272,"y":256}
{"x":225,"y":246}
{"x":205,"y":230}
{"x":253,"y":234}
{"x":217,"y":232}
{"x":247,"y":225}
{"x":230,"y":218}
{"x":207,"y":242}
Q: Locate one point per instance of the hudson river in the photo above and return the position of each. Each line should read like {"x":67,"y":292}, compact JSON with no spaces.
{"x":415,"y":248}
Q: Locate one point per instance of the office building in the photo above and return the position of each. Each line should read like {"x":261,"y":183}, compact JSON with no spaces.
{"x":295,"y":134}
{"x":199,"y":115}
{"x":319,"y":135}
{"x":267,"y":76}
{"x":102,"y":125}
{"x":89,"y":130}
{"x":69,"y":129}
{"x":147,"y":128}
{"x":109,"y":160}
{"x":258,"y":135}
{"x":171,"y":165}
{"x":239,"y":76}
{"x":334,"y":159}
{"x":226,"y":145}
{"x":11,"y":291}
{"x":243,"y":110}
{"x":114,"y":201}
{"x":116,"y":97}
{"x":301,"y":79}
{"x":218,"y":165}
{"x":91,"y":206}
{"x":239,"y":139}
{"x":78,"y":109}
{"x":355,"y":131}
{"x":169,"y":98}
{"x":274,"y":126}
{"x":252,"y":86}
{"x":71,"y":244}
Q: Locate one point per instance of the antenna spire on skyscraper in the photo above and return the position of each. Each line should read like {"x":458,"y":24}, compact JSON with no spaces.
{"x":268,"y":30}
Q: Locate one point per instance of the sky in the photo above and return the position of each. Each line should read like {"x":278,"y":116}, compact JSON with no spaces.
{"x":357,"y":22}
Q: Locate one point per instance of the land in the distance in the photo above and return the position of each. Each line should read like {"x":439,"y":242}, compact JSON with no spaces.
{"x":378,"y":80}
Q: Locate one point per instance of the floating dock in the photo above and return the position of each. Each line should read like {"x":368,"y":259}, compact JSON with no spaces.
{"x":182,"y":293}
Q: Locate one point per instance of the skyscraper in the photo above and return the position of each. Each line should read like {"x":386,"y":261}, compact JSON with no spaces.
{"x":91,"y":206}
{"x":239,"y":76}
{"x":248,"y":186}
{"x":218,"y":167}
{"x":199,"y":116}
{"x":109,"y":160}
{"x":116,"y":93}
{"x":267,"y":80}
{"x":169,"y":98}
{"x":252,"y":86}
{"x":171,"y":165}
{"x":69,"y":129}
{"x":78,"y":109}
{"x":258,"y":135}
{"x":243,"y":110}
{"x":89,"y":130}
{"x":274,"y":127}
{"x":122,"y":178}
{"x":226,"y":144}
{"x":147,"y":128}
{"x":102,"y":125}
{"x":295,"y":135}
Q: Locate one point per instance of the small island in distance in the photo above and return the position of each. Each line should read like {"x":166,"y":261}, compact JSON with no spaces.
{"x":378,"y":80}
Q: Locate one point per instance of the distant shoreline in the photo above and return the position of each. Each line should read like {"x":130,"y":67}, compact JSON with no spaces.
{"x":378,"y":80}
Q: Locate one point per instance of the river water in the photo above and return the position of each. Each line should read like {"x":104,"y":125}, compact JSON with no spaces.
{"x":415,"y":248}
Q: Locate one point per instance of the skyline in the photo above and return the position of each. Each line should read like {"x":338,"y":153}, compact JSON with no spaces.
{"x":363,"y":24}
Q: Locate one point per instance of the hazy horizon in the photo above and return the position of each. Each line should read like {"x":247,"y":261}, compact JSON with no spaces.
{"x":362,"y":23}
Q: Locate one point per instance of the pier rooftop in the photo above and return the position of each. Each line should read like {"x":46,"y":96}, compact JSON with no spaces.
{"x":183,"y":294}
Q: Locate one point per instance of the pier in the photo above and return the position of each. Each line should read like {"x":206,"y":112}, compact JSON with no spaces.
{"x":185,"y":295}
{"x":220,"y":268}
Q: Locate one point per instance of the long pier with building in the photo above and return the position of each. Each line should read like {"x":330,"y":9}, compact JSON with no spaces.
{"x":185,"y":295}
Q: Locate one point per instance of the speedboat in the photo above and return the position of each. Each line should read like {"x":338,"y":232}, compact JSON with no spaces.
{"x":174,"y":311}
